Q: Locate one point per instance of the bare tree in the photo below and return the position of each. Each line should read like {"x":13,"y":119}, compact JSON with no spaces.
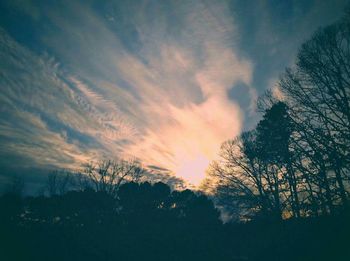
{"x":242,"y":182}
{"x":297,"y":161}
{"x":318,"y":91}
{"x":108,"y":175}
{"x":59,"y":182}
{"x":258,"y":171}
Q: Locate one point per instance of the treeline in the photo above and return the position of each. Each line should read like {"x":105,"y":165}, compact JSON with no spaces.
{"x":144,"y":221}
{"x":296,"y":162}
{"x":101,"y":176}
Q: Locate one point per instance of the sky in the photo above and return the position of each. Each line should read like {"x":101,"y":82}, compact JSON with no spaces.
{"x":164,"y":82}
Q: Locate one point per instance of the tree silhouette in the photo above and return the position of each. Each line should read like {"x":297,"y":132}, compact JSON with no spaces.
{"x":296,"y":161}
{"x":274,"y":142}
{"x":318,"y":93}
{"x":108,"y":175}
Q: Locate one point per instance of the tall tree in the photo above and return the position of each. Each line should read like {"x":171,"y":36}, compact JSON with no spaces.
{"x":274,"y":133}
{"x":318,"y":90}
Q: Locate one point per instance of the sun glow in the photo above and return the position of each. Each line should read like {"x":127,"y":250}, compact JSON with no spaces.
{"x":193,"y":168}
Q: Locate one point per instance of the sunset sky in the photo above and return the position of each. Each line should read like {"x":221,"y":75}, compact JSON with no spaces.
{"x":162,"y":81}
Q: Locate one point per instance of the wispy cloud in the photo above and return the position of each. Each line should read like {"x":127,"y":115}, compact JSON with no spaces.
{"x":163,"y":81}
{"x":162,"y":98}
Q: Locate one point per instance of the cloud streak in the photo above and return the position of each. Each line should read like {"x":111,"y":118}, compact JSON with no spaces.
{"x":163,"y":81}
{"x":164,"y":102}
